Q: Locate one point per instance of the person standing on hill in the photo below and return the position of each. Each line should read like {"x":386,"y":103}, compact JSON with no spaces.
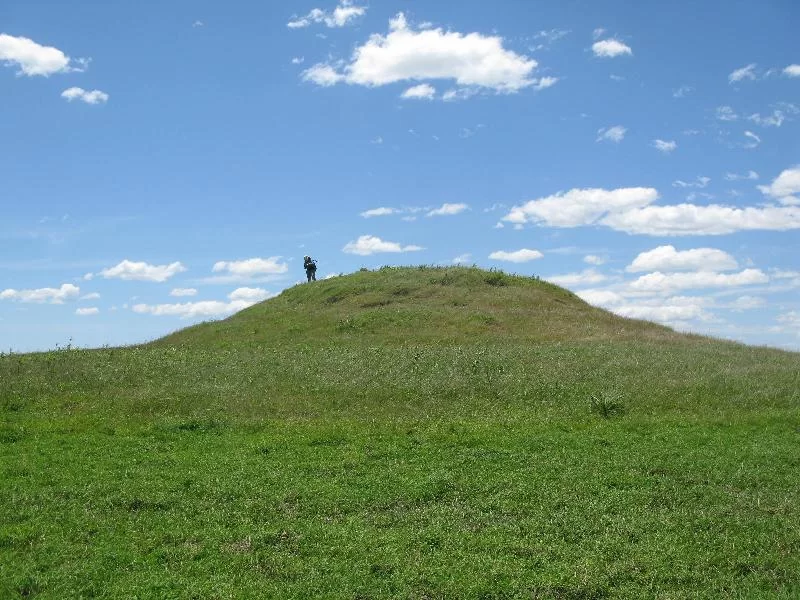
{"x":311,"y":268}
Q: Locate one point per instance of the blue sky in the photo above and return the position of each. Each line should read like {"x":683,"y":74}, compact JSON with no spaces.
{"x":167,"y":163}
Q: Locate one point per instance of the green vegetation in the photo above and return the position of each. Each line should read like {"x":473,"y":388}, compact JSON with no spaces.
{"x":404,"y":433}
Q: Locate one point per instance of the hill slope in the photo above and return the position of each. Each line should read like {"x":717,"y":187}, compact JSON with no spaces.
{"x":422,"y":305}
{"x":405,"y":433}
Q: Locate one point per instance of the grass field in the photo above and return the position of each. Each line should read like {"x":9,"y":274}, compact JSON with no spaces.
{"x":404,"y":433}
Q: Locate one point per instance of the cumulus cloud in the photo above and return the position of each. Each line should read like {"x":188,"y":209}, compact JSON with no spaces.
{"x":610,"y":48}
{"x":423,"y":91}
{"x":587,"y":277}
{"x":667,"y":258}
{"x":370,"y":244}
{"x":58,"y":295}
{"x":87,"y":312}
{"x":669,"y":282}
{"x":182,"y":292}
{"x":786,"y":186}
{"x":249,"y":294}
{"x":792,"y":71}
{"x":747,"y":303}
{"x":629,"y":210}
{"x":342,"y":15}
{"x":189,"y":310}
{"x":93,"y":97}
{"x":748,"y":72}
{"x":448,"y":209}
{"x":34,"y":59}
{"x":517,"y":256}
{"x":238,"y":299}
{"x":579,"y":206}
{"x":251,"y":267}
{"x":406,"y":54}
{"x":664,"y":146}
{"x":691,"y":219}
{"x":611,"y":134}
{"x":141,"y":271}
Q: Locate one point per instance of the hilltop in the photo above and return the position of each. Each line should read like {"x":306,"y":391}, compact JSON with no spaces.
{"x":403,"y":433}
{"x":422,"y":305}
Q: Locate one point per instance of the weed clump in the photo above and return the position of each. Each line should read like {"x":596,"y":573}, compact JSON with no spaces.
{"x":606,"y":404}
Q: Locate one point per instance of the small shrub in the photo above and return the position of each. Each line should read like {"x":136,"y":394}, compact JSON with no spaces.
{"x":606,"y":404}
{"x":496,"y":278}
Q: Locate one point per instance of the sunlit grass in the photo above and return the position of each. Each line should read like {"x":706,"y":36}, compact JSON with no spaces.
{"x":411,"y":433}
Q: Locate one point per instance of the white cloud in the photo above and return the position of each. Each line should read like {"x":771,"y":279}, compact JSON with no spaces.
{"x":181,"y":292}
{"x":545,"y":82}
{"x":552,"y":35}
{"x":141,"y":271}
{"x":598,"y":33}
{"x":472,"y":60}
{"x":517,"y":256}
{"x":378,"y":140}
{"x":88,"y":276}
{"x":750,"y":175}
{"x":322,"y":74}
{"x":785,"y":187}
{"x":462,"y":259}
{"x":423,"y":91}
{"x":629,"y":210}
{"x":783,"y":112}
{"x":188,"y":310}
{"x":669,"y":282}
{"x":251,"y":267}
{"x":198,"y":23}
{"x":91,"y":296}
{"x":593,"y":259}
{"x":32,"y":58}
{"x":587,"y":277}
{"x":448,"y":209}
{"x":756,"y":140}
{"x":59,"y":295}
{"x":459,"y":94}
{"x":612,"y":134}
{"x":747,"y":303}
{"x":86,"y":312}
{"x":610,"y":48}
{"x":671,"y":310}
{"x":249,"y":294}
{"x":682,"y":91}
{"x":298,"y":60}
{"x":343,"y":14}
{"x":379,"y":212}
{"x":667,"y":258}
{"x":748,"y":72}
{"x":700,"y":182}
{"x":579,"y":206}
{"x":93,"y":97}
{"x":792,"y":71}
{"x":370,"y":244}
{"x":665,"y":146}
{"x":726,"y":113}
{"x":691,"y":219}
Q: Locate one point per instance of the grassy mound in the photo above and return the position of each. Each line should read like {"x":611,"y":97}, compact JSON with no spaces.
{"x":404,"y":433}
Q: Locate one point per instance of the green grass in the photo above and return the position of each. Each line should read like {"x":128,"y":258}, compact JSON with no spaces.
{"x":405,"y":433}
